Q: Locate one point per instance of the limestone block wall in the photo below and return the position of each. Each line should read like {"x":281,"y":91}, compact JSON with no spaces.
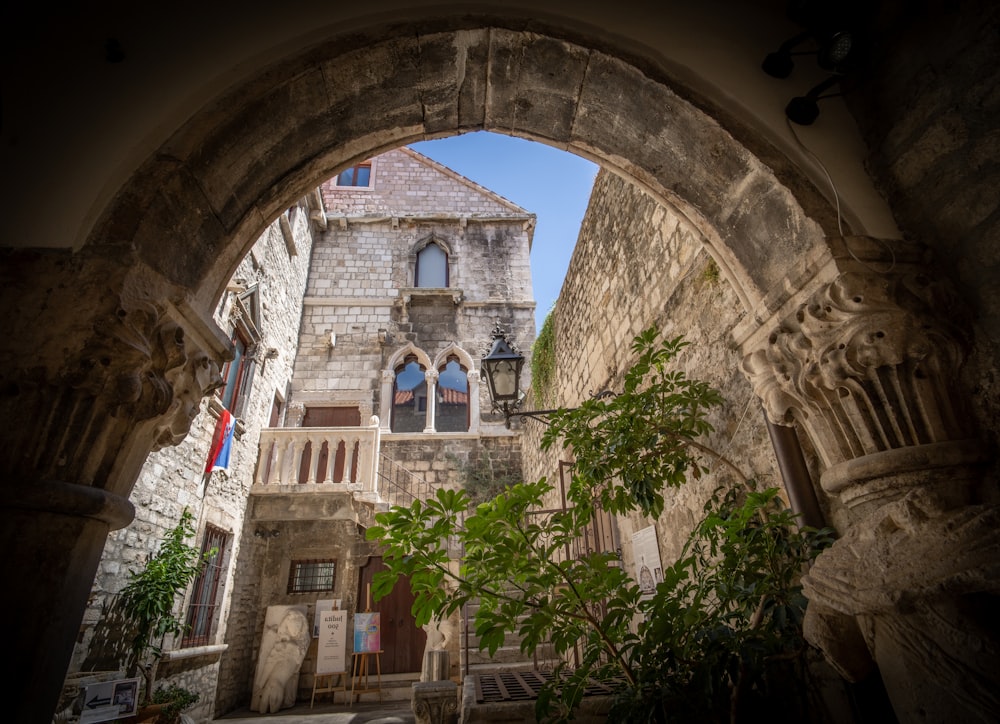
{"x":174,"y":478}
{"x":611,"y":293}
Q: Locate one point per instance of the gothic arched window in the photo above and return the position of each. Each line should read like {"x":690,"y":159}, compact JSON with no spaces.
{"x":409,"y":397}
{"x":432,"y":267}
{"x":452,"y":411}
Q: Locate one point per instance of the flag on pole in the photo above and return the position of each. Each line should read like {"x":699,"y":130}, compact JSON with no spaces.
{"x":222,"y":443}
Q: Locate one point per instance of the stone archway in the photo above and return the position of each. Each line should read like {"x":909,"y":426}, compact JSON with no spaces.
{"x":122,"y":371}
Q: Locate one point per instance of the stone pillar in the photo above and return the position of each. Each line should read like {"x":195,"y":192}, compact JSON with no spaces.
{"x":864,"y":358}
{"x":474,"y":411}
{"x":431,"y":377}
{"x":388,"y":380}
{"x":104,"y":370}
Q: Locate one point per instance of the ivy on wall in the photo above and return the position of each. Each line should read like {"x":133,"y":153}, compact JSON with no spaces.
{"x":543,"y":362}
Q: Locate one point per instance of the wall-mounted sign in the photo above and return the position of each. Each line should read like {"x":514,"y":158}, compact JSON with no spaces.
{"x":648,"y":571}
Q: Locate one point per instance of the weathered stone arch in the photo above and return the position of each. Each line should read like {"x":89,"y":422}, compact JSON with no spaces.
{"x":233,"y":167}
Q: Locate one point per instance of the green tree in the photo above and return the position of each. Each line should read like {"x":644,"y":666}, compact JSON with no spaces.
{"x":739,"y":571}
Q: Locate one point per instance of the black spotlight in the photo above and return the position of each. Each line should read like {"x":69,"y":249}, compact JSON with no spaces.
{"x":804,"y":110}
{"x":779,"y":63}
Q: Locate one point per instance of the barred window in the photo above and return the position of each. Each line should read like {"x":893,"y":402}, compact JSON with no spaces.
{"x":203,"y":609}
{"x":312,"y":575}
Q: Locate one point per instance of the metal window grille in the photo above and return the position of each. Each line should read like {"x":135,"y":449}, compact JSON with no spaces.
{"x":307,"y":576}
{"x":202,"y":613}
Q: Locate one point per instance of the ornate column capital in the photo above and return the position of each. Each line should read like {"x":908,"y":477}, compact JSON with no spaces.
{"x":866,"y":362}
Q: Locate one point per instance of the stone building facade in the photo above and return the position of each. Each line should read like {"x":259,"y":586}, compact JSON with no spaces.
{"x":415,"y":267}
{"x":261,"y":308}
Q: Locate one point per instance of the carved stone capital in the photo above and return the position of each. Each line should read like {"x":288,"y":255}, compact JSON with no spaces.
{"x":129,"y":381}
{"x":435,"y":702}
{"x":866,"y":363}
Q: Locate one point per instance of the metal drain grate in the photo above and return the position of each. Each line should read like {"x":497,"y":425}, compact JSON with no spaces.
{"x":521,"y":686}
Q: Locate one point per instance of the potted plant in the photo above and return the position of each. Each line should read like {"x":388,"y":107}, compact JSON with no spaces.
{"x":146,"y":606}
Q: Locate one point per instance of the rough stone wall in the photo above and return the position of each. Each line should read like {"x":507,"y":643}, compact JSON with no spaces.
{"x":173,"y":478}
{"x":610,"y":294}
{"x":928,"y":110}
{"x":282,"y":528}
{"x":445,"y":461}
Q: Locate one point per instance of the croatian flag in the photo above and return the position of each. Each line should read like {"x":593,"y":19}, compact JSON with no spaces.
{"x":222,"y":443}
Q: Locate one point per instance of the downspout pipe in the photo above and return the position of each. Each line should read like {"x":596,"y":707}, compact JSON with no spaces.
{"x":792,"y":464}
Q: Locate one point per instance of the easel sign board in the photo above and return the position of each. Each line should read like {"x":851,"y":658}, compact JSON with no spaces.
{"x":323,"y":605}
{"x":367,"y":636}
{"x":110,"y":700}
{"x":331,"y":657}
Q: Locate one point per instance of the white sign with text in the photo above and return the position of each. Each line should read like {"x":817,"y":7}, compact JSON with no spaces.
{"x":331,"y":654}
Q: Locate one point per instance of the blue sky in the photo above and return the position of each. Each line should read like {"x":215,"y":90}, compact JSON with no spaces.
{"x":550,"y":183}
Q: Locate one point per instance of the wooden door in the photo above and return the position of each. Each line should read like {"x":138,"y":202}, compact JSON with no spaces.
{"x":402,"y":641}
{"x":330,"y":417}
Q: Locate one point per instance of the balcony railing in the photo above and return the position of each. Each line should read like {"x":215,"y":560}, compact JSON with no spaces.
{"x":342,"y":456}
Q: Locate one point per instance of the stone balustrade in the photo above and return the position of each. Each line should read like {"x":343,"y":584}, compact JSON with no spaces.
{"x":343,"y":456}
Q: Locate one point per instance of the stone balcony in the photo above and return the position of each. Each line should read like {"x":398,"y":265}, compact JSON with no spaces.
{"x":328,"y":459}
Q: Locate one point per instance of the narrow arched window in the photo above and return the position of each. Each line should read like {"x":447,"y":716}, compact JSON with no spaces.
{"x":452,"y":411}
{"x":432,"y":267}
{"x":409,"y":398}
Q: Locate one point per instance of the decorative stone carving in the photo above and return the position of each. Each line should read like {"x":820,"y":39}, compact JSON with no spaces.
{"x":865,"y":359}
{"x":435,"y":702}
{"x":283,"y":646}
{"x":143,"y":372}
{"x":867,"y":364}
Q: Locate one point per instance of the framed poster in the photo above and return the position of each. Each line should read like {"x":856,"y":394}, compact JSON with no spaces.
{"x":331,"y":657}
{"x":648,"y":571}
{"x":367,"y":638}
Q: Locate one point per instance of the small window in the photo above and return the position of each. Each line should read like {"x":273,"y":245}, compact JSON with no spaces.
{"x":235,"y":373}
{"x":360,"y":175}
{"x":432,"y":267}
{"x":238,"y":374}
{"x":312,"y":575}
{"x":203,"y":610}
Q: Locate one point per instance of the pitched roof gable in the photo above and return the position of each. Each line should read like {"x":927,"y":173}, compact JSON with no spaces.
{"x":406,"y":183}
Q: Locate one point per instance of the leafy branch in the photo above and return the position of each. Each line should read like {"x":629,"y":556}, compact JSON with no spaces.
{"x":727,"y":609}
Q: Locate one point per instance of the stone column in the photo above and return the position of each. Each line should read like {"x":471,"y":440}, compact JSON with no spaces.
{"x":864,"y":358}
{"x":388,"y":380}
{"x":474,"y":421}
{"x":104,"y":370}
{"x":431,"y":377}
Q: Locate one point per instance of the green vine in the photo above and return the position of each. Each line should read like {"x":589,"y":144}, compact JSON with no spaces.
{"x":543,"y":361}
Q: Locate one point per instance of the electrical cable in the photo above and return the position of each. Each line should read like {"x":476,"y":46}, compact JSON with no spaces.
{"x":836,"y":198}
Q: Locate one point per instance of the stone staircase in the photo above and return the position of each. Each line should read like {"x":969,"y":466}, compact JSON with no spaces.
{"x":508,"y":657}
